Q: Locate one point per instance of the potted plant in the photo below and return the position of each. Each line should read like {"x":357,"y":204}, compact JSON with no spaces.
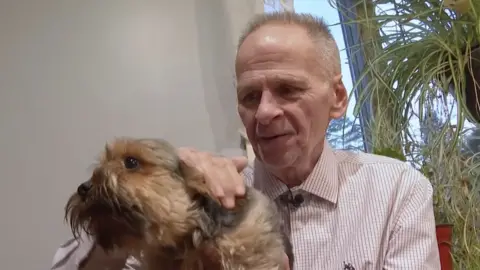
{"x":420,"y":70}
{"x":439,"y":44}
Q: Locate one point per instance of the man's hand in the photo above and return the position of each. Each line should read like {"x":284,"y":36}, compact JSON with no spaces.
{"x":222,"y":175}
{"x":286,"y":262}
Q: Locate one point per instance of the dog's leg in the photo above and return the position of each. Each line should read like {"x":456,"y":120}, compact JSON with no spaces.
{"x":241,"y":267}
{"x":257,"y":241}
{"x":243,"y":253}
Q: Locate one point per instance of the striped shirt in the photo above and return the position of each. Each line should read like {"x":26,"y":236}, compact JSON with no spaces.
{"x":359,"y":211}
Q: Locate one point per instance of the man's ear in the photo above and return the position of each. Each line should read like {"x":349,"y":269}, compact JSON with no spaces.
{"x":339,"y":98}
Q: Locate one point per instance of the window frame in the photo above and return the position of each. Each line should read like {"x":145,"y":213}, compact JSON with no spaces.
{"x":351,"y":36}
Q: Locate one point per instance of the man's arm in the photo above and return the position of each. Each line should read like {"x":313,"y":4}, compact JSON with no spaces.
{"x":82,"y":254}
{"x":413,"y":244}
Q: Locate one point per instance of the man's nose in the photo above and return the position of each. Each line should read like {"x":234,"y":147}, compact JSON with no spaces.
{"x":268,"y":109}
{"x":83,"y":189}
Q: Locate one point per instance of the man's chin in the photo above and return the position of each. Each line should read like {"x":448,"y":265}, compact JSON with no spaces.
{"x":277,"y":159}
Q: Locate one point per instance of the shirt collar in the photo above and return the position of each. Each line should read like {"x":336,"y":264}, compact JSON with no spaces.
{"x":322,"y":182}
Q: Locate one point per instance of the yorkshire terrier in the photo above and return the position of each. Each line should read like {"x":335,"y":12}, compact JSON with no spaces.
{"x":143,"y":199}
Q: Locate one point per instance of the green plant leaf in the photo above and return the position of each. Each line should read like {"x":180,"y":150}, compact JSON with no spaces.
{"x":391,"y":153}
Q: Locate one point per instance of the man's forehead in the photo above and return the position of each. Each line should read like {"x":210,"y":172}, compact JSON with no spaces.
{"x":273,"y":38}
{"x":258,"y":80}
{"x":277,"y":32}
{"x":273,"y":47}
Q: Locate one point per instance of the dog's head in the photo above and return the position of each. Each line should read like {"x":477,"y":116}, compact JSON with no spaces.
{"x":135,"y":196}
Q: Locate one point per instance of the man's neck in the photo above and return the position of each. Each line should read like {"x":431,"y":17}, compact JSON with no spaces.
{"x":295,"y":174}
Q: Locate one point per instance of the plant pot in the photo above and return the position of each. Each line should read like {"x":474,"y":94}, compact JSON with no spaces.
{"x":444,"y":239}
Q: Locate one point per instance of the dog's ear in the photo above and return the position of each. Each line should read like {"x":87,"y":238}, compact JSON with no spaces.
{"x":198,"y":189}
{"x":195,"y":181}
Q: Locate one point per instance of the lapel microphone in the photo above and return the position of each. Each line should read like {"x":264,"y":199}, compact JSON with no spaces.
{"x":296,"y":201}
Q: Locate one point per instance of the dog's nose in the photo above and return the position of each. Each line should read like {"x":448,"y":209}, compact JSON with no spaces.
{"x":84,"y":188}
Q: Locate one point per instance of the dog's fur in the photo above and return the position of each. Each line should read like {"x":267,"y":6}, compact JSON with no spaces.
{"x":143,"y":199}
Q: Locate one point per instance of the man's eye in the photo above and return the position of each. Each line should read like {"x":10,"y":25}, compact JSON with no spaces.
{"x":251,"y":97}
{"x":131,"y":163}
{"x":286,"y":91}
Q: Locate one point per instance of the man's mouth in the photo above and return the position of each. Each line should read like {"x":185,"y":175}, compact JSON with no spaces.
{"x":271,"y":137}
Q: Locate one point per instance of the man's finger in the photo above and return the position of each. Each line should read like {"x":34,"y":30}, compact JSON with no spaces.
{"x":228,"y":202}
{"x":287,"y":262}
{"x":240,"y":163}
{"x":240,"y":189}
{"x":236,"y":183}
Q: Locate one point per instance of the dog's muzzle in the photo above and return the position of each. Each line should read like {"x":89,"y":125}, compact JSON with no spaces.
{"x":99,"y":177}
{"x":83,"y":189}
{"x":101,"y":212}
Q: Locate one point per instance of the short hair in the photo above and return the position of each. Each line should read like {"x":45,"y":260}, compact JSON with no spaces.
{"x":316,"y":28}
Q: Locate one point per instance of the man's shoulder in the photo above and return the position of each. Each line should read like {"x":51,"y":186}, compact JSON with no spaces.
{"x":352,"y":157}
{"x":375,"y":168}
{"x":382,"y":179}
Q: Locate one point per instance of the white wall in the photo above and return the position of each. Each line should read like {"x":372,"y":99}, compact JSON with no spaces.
{"x":73,"y":74}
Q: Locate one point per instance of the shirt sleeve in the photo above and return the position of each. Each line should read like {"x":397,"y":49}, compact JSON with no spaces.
{"x":413,"y":244}
{"x":74,"y":254}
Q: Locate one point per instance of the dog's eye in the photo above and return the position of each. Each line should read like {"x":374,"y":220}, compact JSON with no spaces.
{"x":131,"y":163}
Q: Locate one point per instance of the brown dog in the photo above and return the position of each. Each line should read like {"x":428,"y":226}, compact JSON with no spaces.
{"x":143,"y":199}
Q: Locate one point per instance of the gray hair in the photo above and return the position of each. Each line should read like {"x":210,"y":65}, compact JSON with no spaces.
{"x":316,"y":28}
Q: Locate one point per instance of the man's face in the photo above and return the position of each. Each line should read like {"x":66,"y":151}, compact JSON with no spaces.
{"x":284,"y":99}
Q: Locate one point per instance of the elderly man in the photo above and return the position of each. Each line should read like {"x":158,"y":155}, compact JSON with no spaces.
{"x":342,"y":210}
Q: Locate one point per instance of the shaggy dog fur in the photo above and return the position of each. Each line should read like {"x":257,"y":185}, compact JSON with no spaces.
{"x":143,"y":199}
